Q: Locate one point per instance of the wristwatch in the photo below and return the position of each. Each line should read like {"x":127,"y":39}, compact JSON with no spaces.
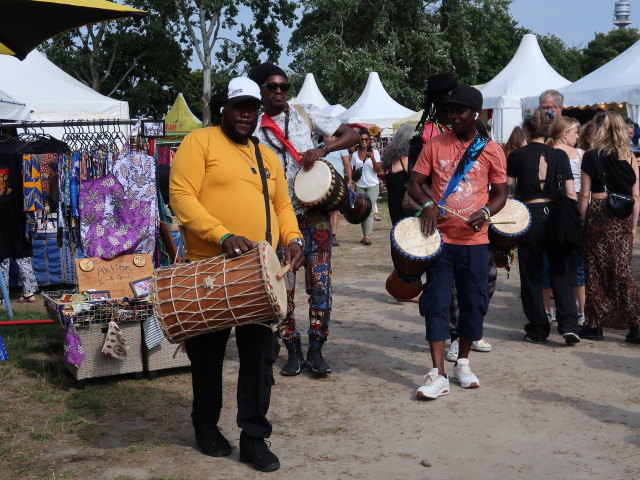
{"x":299,"y":241}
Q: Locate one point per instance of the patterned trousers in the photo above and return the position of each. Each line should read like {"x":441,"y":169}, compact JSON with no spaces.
{"x":25,"y":274}
{"x":316,"y":231}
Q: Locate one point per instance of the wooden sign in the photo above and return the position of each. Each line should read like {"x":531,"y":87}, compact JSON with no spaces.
{"x":113,"y":275}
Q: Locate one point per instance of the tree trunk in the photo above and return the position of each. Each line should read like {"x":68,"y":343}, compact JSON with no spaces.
{"x":206,"y":93}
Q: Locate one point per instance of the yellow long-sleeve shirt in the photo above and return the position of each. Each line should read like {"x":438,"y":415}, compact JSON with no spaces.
{"x":213,"y":192}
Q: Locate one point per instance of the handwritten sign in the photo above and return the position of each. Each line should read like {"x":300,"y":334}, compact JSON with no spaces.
{"x":113,"y":275}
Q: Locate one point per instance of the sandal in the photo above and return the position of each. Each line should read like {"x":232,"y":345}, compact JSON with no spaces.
{"x":28,"y":299}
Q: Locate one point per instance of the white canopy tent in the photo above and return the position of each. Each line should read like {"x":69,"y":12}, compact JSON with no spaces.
{"x":310,"y":93}
{"x":52,"y":94}
{"x":11,"y":109}
{"x":617,"y":81}
{"x":375,"y":106}
{"x":528,"y":73}
{"x":334,"y":110}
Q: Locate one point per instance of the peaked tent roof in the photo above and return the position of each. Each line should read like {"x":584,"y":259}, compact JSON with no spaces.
{"x":179,"y":119}
{"x":52,"y":94}
{"x":528,"y":73}
{"x":310,"y":93}
{"x":615,"y":82}
{"x":375,"y":106}
{"x":11,"y":109}
{"x":334,"y":110}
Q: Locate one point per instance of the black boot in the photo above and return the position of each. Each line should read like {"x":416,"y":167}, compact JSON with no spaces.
{"x":211,"y":442}
{"x":591,"y":333}
{"x":256,"y":452}
{"x":316,"y":363}
{"x":634,"y":335}
{"x":294,"y":364}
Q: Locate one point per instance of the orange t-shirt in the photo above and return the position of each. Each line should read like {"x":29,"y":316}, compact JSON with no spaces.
{"x":439,"y":159}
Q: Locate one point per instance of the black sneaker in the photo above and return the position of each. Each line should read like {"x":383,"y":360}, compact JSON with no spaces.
{"x":571,"y":338}
{"x":294,"y":364}
{"x":536,"y":340}
{"x":256,"y":452}
{"x":211,"y":442}
{"x":634,"y":335}
{"x":335,"y":242}
{"x":316,"y":363}
{"x":591,"y":333}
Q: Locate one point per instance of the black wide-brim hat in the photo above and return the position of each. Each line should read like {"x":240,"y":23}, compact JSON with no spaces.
{"x":441,"y":82}
{"x":467,"y":96}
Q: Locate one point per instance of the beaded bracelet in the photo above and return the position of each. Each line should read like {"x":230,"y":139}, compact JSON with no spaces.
{"x":487,"y":212}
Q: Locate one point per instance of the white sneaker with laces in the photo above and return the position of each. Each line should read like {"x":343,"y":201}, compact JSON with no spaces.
{"x":463,"y":375}
{"x":435,"y":385}
{"x":481,"y":346}
{"x":452,"y":353}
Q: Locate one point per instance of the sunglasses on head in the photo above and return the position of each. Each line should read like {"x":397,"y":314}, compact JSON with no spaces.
{"x":273,"y":86}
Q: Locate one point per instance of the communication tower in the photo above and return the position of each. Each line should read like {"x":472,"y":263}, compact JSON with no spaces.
{"x":621,"y":14}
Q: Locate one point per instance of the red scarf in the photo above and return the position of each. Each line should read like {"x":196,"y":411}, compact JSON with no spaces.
{"x":270,"y":125}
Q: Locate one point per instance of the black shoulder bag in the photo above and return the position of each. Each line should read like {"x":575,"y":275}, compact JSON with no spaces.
{"x":566,"y":225}
{"x":619,"y":205}
{"x":265,"y":188}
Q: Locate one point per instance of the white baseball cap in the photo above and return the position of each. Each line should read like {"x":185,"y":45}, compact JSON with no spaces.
{"x":241,"y":89}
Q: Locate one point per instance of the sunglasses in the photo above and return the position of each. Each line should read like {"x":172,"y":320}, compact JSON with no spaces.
{"x":273,"y":86}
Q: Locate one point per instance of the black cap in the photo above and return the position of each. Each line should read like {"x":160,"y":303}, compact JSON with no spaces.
{"x":441,"y":82}
{"x":467,"y":96}
{"x":264,"y":71}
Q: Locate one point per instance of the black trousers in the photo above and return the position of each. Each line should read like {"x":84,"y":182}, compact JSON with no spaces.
{"x":258,"y":350}
{"x":562,"y":269}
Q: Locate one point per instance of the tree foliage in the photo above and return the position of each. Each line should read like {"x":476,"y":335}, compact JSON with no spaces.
{"x":211,"y":24}
{"x":140,"y":61}
{"x":606,"y":46}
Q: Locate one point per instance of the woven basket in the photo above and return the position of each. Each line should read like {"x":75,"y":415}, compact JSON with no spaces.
{"x":162,"y":357}
{"x":96,"y":363}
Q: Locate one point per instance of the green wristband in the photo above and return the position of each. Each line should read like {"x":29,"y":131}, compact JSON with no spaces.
{"x":224,"y":237}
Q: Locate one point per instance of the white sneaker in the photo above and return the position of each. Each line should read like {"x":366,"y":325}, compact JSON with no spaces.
{"x":580,"y":319}
{"x":463,"y":375}
{"x":452,"y":354}
{"x":435,"y":385}
{"x":551,"y":316}
{"x":481,"y":346}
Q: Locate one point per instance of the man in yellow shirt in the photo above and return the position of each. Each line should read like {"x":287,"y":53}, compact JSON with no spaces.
{"x":216,"y":192}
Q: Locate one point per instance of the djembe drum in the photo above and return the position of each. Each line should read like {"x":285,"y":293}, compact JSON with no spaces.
{"x":194,"y":298}
{"x":321,"y":188}
{"x":504,"y":236}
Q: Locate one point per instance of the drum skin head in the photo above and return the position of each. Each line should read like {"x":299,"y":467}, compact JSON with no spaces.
{"x":411,"y":241}
{"x":312,"y":186}
{"x":513,"y":211}
{"x":275,"y":287}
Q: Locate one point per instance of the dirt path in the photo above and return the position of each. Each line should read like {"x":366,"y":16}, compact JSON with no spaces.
{"x":543,"y":411}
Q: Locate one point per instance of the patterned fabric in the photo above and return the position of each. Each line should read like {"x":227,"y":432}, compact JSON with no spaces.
{"x":26,"y":276}
{"x":6,"y":188}
{"x":73,"y":348}
{"x":153,"y":335}
{"x":317,"y":250}
{"x":32,"y":183}
{"x":4,"y":356}
{"x":110,"y":223}
{"x":136,"y":172}
{"x":48,"y":169}
{"x":300,"y":137}
{"x":611,"y":292}
{"x":115,"y":345}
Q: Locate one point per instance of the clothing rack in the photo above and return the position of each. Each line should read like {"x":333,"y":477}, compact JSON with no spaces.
{"x":67,"y":123}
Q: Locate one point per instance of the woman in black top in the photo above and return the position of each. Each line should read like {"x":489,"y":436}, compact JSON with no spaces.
{"x":531,"y":172}
{"x":612,"y":297}
{"x":396,"y":171}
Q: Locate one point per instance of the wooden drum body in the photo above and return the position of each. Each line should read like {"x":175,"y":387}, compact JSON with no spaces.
{"x":505,"y":236}
{"x":321,"y":188}
{"x":412,"y":250}
{"x":357,"y":209}
{"x":194,"y":298}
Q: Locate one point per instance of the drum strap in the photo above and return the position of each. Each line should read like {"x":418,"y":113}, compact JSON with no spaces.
{"x":265,"y":188}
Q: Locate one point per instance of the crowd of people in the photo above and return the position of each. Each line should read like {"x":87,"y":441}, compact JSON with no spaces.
{"x":446,"y":164}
